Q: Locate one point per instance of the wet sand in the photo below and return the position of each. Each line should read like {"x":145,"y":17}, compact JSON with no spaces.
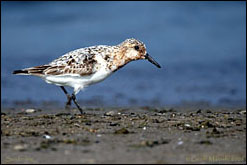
{"x":123,"y":135}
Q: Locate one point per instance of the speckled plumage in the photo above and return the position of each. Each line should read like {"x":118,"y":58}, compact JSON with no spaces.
{"x":89,"y":65}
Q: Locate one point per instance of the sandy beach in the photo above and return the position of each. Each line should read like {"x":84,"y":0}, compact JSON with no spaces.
{"x":123,"y":135}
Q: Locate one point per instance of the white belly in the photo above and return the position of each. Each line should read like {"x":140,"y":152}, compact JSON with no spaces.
{"x":76,"y":81}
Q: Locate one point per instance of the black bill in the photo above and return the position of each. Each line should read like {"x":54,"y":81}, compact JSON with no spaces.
{"x":150,"y":59}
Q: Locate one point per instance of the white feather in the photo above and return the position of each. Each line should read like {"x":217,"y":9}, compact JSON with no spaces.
{"x":76,"y":81}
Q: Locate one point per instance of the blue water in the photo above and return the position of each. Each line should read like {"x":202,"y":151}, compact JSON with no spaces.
{"x":201,"y":47}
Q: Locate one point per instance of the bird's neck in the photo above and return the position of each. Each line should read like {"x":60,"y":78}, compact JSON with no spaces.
{"x":119,"y":59}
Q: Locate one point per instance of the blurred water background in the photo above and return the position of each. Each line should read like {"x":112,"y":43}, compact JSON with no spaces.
{"x":201,"y":47}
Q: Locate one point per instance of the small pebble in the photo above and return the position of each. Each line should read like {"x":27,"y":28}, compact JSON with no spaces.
{"x":242,"y":112}
{"x":20,"y":147}
{"x":199,"y":111}
{"x":30,"y":110}
{"x":99,"y":135}
{"x":122,"y":131}
{"x":208,"y":111}
{"x":47,"y":136}
{"x":77,"y":125}
{"x":186,"y":125}
{"x":110,"y":113}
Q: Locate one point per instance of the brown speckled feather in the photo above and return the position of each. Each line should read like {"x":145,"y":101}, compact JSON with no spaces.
{"x":86,"y":61}
{"x":72,"y":66}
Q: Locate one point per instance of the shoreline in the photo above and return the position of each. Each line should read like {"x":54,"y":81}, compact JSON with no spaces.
{"x":124,"y":135}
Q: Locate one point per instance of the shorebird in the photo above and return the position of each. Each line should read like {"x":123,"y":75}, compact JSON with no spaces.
{"x":86,"y":66}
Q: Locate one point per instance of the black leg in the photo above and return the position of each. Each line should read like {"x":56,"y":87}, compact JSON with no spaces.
{"x":68,"y":104}
{"x":78,"y":106}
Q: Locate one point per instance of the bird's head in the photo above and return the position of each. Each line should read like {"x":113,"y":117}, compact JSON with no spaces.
{"x":134,"y":49}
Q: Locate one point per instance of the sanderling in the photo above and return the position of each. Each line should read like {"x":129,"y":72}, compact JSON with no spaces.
{"x":86,"y":66}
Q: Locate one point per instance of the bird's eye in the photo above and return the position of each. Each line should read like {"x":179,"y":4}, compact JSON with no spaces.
{"x":136,"y":47}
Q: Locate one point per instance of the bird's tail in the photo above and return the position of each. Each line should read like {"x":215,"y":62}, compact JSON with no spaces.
{"x":22,"y":72}
{"x":37,"y":70}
